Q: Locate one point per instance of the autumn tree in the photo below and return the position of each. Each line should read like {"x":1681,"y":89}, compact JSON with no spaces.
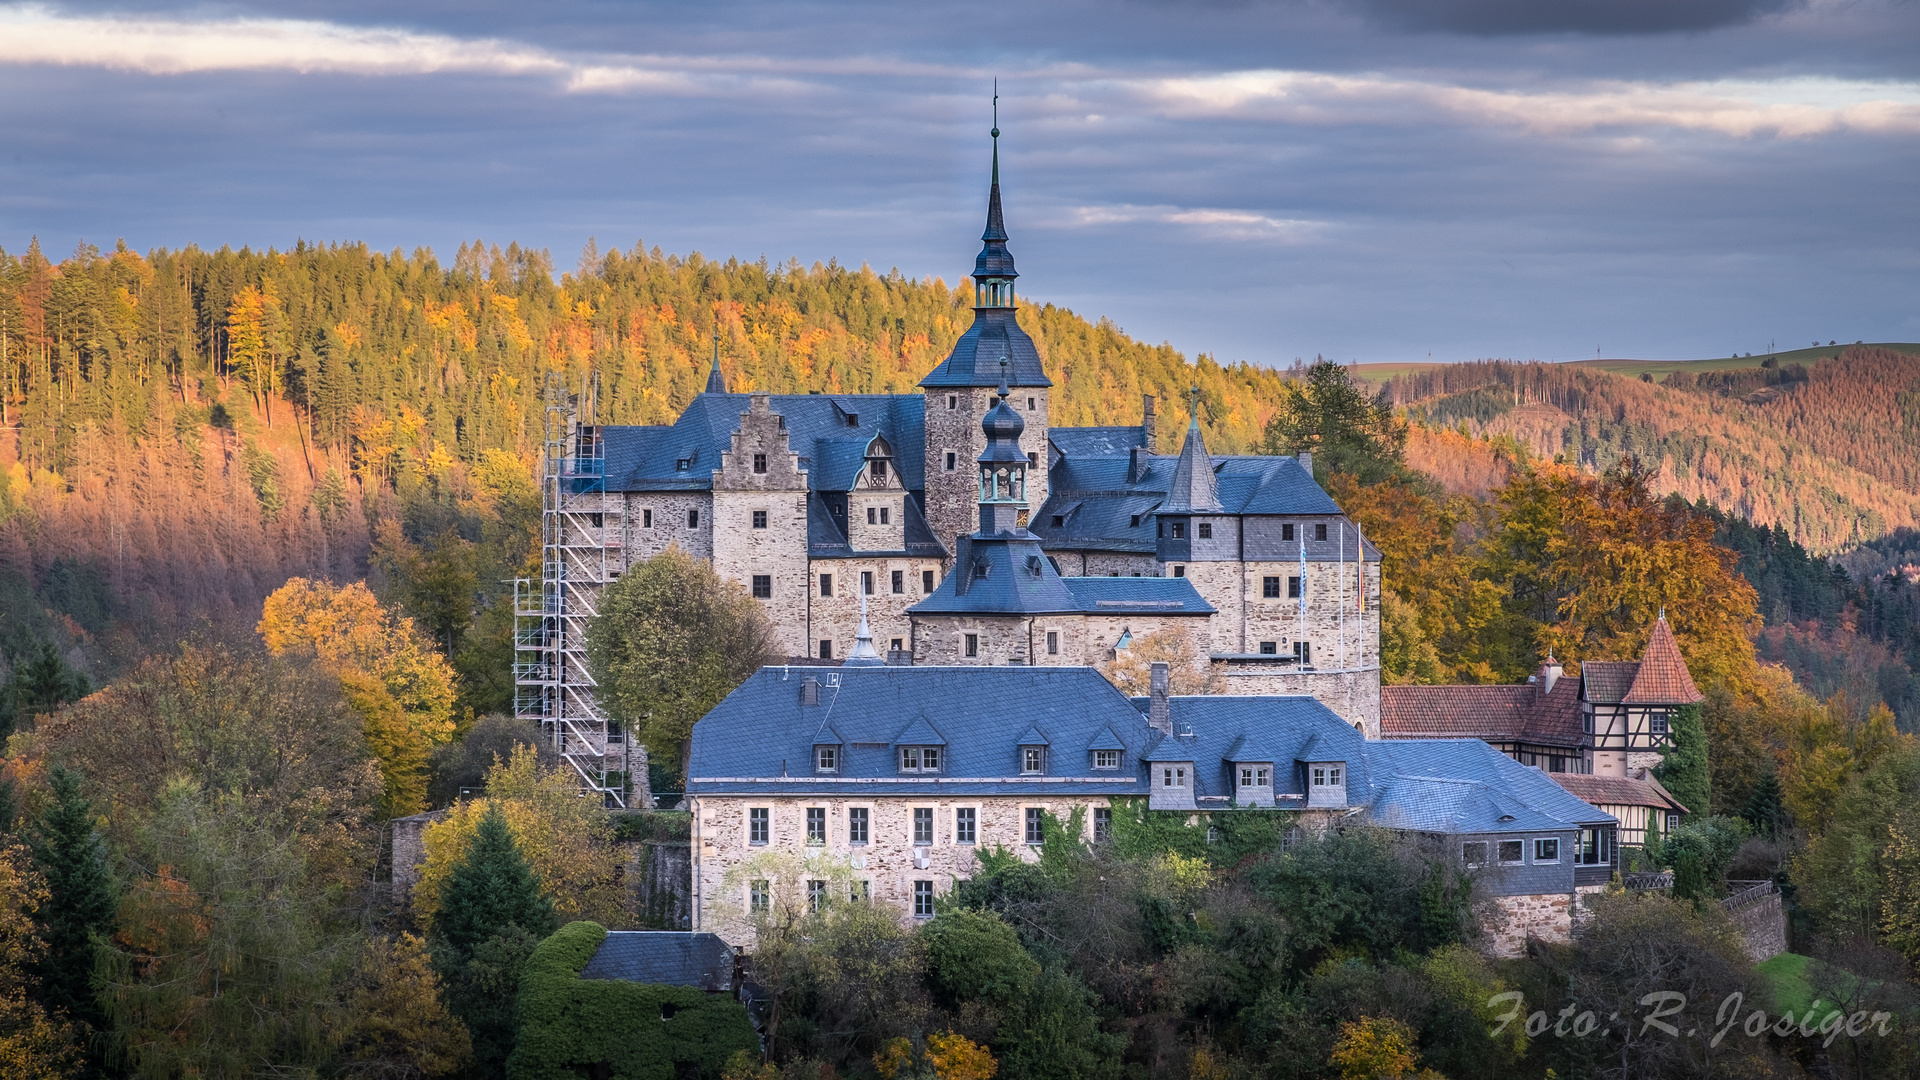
{"x":400,"y":1028}
{"x":35,"y":1043}
{"x":1188,"y":670}
{"x":671,"y":639}
{"x":73,"y":863}
{"x":402,"y":689}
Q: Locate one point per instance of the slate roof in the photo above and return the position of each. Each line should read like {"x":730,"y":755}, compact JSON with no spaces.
{"x":1294,"y":729}
{"x":1009,"y":574}
{"x":1520,"y":713}
{"x":1618,"y":791}
{"x":830,"y":432}
{"x":1472,"y":760}
{"x":1663,"y":678}
{"x":1192,"y":491}
{"x":663,"y":957}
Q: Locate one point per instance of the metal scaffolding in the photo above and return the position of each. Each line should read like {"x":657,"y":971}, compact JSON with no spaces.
{"x":582,"y":527}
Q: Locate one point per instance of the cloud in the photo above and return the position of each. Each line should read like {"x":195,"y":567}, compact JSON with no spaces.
{"x":1489,"y":17}
{"x":1214,"y":222}
{"x":1788,"y":108}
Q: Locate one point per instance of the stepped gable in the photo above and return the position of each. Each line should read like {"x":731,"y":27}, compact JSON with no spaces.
{"x":1663,"y":678}
{"x":1524,"y":713}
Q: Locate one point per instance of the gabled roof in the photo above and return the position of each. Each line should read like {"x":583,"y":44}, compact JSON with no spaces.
{"x":827,"y":736}
{"x":663,"y":958}
{"x":919,"y":733}
{"x":829,"y":432}
{"x":1663,"y":678}
{"x":1618,"y":791}
{"x":1032,"y":737}
{"x":1607,"y":681}
{"x":1513,"y":713}
{"x":1105,"y":739}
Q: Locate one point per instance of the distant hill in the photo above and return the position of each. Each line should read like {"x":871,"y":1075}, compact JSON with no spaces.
{"x":1822,"y":442}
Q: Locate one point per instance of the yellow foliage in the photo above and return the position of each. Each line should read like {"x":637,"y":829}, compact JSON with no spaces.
{"x":33,"y":1044}
{"x":399,"y":1025}
{"x":565,"y":838}
{"x":1188,"y":672}
{"x":1376,"y":1048}
{"x":956,"y":1057}
{"x":401,"y":687}
{"x":894,"y":1058}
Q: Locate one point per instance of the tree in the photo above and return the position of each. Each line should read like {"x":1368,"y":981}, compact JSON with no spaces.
{"x":1684,"y":769}
{"x":565,"y":840}
{"x":38,"y":687}
{"x":400,"y":1028}
{"x":82,"y":904}
{"x":462,"y":765}
{"x":35,"y":1044}
{"x":490,"y":889}
{"x":481,"y":989}
{"x":1347,"y":430}
{"x":1188,"y":671}
{"x":1375,"y":1048}
{"x":1056,"y":1034}
{"x":670,"y":640}
{"x":402,"y":689}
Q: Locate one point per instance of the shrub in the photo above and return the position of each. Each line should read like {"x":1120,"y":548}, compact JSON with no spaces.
{"x":637,"y":1031}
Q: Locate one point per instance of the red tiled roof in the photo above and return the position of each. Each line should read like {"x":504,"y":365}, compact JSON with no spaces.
{"x":1617,"y":791}
{"x":1521,"y":713}
{"x":1663,"y":678}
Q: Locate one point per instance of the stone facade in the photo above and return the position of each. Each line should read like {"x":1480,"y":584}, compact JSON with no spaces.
{"x":953,"y":417}
{"x":410,"y":852}
{"x":1081,"y":639}
{"x":1515,"y":919}
{"x":888,"y":863}
{"x":657,"y":520}
{"x":1354,"y":695}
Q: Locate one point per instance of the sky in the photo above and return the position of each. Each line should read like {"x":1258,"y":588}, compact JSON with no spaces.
{"x":1259,"y":180}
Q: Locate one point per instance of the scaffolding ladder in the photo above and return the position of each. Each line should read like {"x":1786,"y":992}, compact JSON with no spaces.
{"x":582,"y":529}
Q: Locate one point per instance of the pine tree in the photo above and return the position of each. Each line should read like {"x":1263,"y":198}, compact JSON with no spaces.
{"x":81,"y":903}
{"x":40,"y":685}
{"x":1764,"y":809}
{"x":492,"y":889}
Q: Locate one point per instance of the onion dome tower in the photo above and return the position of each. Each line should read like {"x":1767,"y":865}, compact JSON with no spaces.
{"x":1002,"y":468}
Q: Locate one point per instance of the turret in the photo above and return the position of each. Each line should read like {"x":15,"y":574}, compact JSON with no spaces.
{"x":1002,"y":468}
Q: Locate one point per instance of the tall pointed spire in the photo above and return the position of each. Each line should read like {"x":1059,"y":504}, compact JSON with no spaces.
{"x":863,"y":654}
{"x":716,"y":382}
{"x":1192,"y":490}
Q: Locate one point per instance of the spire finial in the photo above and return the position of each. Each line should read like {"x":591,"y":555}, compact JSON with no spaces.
{"x":996,"y":132}
{"x":1004,"y":388}
{"x":1663,"y":613}
{"x":1193,"y":407}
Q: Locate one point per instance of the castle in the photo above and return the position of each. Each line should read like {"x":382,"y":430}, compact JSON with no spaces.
{"x":961,"y":525}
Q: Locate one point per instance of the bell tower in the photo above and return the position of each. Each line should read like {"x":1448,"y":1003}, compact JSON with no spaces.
{"x":993,"y":353}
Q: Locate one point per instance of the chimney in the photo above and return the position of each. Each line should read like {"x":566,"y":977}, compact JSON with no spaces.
{"x":1550,"y":673}
{"x":1136,"y":464}
{"x":809,"y":691}
{"x":1158,"y":714}
{"x":1147,"y":432}
{"x":1306,"y":461}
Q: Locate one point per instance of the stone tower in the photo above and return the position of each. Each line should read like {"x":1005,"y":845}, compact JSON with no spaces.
{"x":961,"y":390}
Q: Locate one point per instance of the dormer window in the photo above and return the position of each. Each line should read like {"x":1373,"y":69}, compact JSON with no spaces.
{"x":1256,"y":776}
{"x":1326,"y":783}
{"x":919,"y":759}
{"x":1033,"y":760}
{"x":1173,"y":776}
{"x":826,"y":759}
{"x":683,"y":464}
{"x":877,"y":469}
{"x":1106,"y":759}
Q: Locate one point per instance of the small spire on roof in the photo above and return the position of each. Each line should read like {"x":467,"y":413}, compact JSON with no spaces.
{"x":716,"y":382}
{"x":864,"y":654}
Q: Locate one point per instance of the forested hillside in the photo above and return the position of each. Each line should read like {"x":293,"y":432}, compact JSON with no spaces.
{"x":192,"y":428}
{"x":1831,"y":453}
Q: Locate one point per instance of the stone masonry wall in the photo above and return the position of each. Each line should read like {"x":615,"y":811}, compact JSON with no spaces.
{"x":1514,"y":919}
{"x":778,"y":549}
{"x":1353,"y":695}
{"x":837,"y":617}
{"x":1763,"y":927}
{"x":669,"y":524}
{"x":725,"y":864}
{"x":952,"y":505}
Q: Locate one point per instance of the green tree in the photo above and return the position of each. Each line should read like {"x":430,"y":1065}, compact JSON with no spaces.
{"x":1764,"y":810}
{"x":1685,"y":768}
{"x":491,"y":889}
{"x":671,"y":639}
{"x":1347,"y":430}
{"x":481,"y":989}
{"x":975,"y":956}
{"x":39,"y":686}
{"x":82,"y":903}
{"x":1055,"y":1034}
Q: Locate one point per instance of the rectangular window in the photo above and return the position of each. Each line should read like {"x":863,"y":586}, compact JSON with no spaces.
{"x":1512,"y":851}
{"x":1269,"y":648}
{"x":896,"y":645}
{"x":926,"y":581}
{"x":1102,"y":823}
{"x":1059,"y":520}
{"x":1053,"y":643}
{"x":866,"y":582}
{"x":1303,"y":652}
{"x":1173,"y":776}
{"x":1106,"y":759}
{"x":1286,"y":531}
{"x":816,"y":824}
{"x":1293,"y":588}
{"x":1320,"y":531}
{"x":923,"y":825}
{"x":1178,"y":571}
{"x":1586,"y":722}
{"x":898,"y":579}
{"x":759,"y":896}
{"x":816,"y":894}
{"x":923,"y":899}
{"x":1319,"y":776}
{"x":1657,"y":722}
{"x":646,"y":519}
{"x":910,"y":759}
{"x":1333,"y":777}
{"x":826,"y":758}
{"x":1033,"y":759}
{"x":1206,"y":530}
{"x":1036,"y":831}
{"x":873,"y":515}
{"x":1179,"y":530}
{"x":1547,"y":850}
{"x":1030,"y":404}
{"x":1270,"y":587}
{"x":1253,"y":776}
{"x":826,"y":584}
{"x":860,"y":891}
{"x":826,"y":649}
{"x":763,"y":586}
{"x":857,"y":825}
{"x":757,"y":825}
{"x":1673,"y":822}
{"x":973,"y":644}
{"x":966,"y":821}
{"x":884,"y":511}
{"x":1133,"y":522}
{"x":953,"y":401}
{"x":759,"y":463}
{"x":693,"y":519}
{"x":759,"y":519}
{"x":878,"y":470}
{"x":1474,"y":853}
{"x":951,"y":460}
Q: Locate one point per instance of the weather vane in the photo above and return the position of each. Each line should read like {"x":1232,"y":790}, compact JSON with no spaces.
{"x":996,"y":108}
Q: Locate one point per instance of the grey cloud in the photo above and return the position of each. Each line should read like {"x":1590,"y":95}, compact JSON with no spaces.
{"x":1575,"y":16}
